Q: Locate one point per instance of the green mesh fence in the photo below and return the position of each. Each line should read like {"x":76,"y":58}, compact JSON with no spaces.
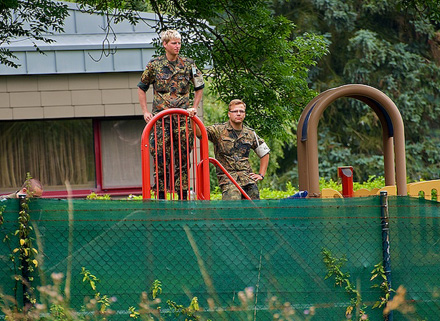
{"x":243,"y":260}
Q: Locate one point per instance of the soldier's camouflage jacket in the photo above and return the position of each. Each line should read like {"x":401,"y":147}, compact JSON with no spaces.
{"x":171,"y":82}
{"x":232,"y":151}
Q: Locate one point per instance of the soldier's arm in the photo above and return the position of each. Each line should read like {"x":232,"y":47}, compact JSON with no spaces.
{"x":142,"y":95}
{"x":199,"y":84}
{"x":198,"y":131}
{"x":197,"y":99}
{"x":262,"y":150}
{"x":147,"y":78}
{"x":209,"y":129}
{"x":264,"y":162}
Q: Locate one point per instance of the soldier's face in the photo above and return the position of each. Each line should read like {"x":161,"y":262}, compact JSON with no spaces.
{"x":237,"y":114}
{"x":172,"y":47}
{"x":36,"y":192}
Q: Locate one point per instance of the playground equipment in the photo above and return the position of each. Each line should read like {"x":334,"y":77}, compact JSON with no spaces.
{"x":392,"y":133}
{"x":346,"y":175}
{"x":198,"y":178}
{"x":202,"y":183}
{"x":415,"y":189}
{"x":418,"y":189}
{"x":308,"y":172}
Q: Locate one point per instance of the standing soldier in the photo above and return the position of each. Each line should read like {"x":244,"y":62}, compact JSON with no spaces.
{"x":232,"y":144}
{"x":171,"y":76}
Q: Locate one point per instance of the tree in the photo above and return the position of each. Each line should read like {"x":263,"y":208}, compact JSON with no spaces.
{"x":393,"y":46}
{"x":253,"y":54}
{"x":426,"y":9}
{"x":36,"y":20}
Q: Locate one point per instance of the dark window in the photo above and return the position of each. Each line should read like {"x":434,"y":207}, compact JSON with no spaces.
{"x":53,"y":151}
{"x":121,"y":152}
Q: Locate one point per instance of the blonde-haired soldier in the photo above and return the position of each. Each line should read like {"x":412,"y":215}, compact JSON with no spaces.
{"x":171,"y":76}
{"x":167,"y":35}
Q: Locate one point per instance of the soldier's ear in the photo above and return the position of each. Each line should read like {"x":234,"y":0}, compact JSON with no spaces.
{"x":22,"y":191}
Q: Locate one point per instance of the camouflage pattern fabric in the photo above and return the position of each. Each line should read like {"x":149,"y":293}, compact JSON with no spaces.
{"x":171,"y":82}
{"x":172,"y":130}
{"x":231,"y":192}
{"x":232,"y":151}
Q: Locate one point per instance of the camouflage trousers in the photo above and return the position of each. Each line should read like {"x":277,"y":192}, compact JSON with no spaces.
{"x":171,"y":149}
{"x":230,"y":192}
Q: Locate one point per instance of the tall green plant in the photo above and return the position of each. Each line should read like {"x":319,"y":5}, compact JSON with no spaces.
{"x":22,"y":257}
{"x":385,"y":302}
{"x":334,"y":267}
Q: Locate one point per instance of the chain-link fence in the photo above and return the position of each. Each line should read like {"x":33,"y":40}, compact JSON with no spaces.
{"x":242,"y":260}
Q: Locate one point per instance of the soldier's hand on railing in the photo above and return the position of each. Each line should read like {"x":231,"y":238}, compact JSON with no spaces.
{"x":192,"y":112}
{"x":148,"y":116}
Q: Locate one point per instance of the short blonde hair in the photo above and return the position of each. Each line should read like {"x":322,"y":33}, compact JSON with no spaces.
{"x":167,"y":35}
{"x":235,"y":102}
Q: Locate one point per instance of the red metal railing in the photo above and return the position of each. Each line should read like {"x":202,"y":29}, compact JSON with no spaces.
{"x":217,"y":163}
{"x":201,"y":182}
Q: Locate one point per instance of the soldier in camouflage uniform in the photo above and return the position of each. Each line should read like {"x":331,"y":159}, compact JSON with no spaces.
{"x":171,"y":76}
{"x":232,"y":144}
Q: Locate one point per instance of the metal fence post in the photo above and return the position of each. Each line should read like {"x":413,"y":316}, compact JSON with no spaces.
{"x":386,"y":254}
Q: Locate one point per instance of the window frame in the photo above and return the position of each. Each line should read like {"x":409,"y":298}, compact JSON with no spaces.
{"x":99,"y":188}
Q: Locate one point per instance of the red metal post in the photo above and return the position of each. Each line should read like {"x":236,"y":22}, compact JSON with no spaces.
{"x":346,"y":175}
{"x":217,"y":163}
{"x":98,"y":156}
{"x":180,"y":191}
{"x":172,"y":186}
{"x":188,"y":157}
{"x":145,"y":156}
{"x":155,"y":162}
{"x":203,"y":191}
{"x":164,"y":159}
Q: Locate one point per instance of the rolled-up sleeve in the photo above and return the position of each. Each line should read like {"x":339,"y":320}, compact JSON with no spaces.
{"x":143,"y":86}
{"x":147,"y":77}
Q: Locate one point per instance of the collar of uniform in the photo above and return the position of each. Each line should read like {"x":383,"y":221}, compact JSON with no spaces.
{"x":176,"y":65}
{"x":229,"y":126}
{"x":179,"y":60}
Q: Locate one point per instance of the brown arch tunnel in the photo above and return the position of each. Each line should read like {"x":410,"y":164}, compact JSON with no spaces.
{"x":393,"y":135}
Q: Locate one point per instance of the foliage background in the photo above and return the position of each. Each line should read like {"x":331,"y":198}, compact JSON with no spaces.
{"x":276,"y":55}
{"x":391,"y":45}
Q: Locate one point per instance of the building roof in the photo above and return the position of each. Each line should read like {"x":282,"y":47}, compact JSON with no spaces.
{"x":79,"y":49}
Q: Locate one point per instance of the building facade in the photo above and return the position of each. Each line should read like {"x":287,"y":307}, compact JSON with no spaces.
{"x":70,"y":116}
